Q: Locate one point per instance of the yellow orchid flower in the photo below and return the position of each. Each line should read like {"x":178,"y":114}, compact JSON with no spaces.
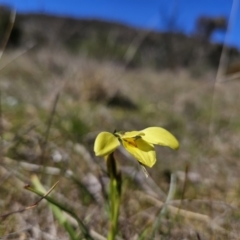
{"x":140,"y":144}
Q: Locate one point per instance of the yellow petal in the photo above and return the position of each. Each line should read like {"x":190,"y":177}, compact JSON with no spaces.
{"x":142,"y":151}
{"x":131,"y":134}
{"x":105,"y":143}
{"x":160,"y":136}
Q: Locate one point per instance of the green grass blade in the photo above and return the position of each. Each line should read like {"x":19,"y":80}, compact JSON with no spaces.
{"x":57,"y":209}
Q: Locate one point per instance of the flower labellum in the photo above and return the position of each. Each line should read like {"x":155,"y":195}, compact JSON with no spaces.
{"x":140,"y":144}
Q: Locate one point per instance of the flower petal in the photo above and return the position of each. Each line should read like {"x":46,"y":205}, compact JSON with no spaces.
{"x":142,"y":151}
{"x":105,"y":143}
{"x":131,"y":134}
{"x":160,"y":136}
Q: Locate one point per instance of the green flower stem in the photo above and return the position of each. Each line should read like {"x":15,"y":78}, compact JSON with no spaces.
{"x":115,"y":195}
{"x":114,"y":208}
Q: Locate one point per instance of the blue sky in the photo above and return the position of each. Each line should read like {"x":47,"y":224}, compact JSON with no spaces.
{"x":152,"y":14}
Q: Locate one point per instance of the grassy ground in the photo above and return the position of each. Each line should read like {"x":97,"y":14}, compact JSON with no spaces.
{"x":53,"y":104}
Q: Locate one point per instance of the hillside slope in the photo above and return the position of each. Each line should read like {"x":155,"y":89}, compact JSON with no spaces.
{"x":116,"y":42}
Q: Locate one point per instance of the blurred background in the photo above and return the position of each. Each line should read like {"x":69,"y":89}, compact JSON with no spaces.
{"x":71,"y":69}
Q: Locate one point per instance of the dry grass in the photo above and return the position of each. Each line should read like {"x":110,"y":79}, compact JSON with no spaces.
{"x":52,"y":106}
{"x":171,"y":99}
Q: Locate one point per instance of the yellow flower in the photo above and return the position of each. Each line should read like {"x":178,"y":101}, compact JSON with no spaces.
{"x":140,"y":144}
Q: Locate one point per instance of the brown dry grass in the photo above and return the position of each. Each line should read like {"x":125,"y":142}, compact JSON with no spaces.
{"x":171,"y":99}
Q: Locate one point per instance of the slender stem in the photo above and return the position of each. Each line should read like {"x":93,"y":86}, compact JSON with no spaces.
{"x":170,"y":196}
{"x":115,"y":194}
{"x":114,"y":208}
